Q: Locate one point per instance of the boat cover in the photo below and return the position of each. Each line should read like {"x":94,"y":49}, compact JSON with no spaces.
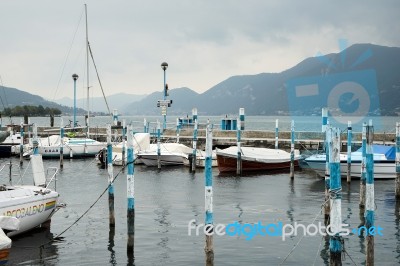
{"x":388,"y":151}
{"x":39,"y":177}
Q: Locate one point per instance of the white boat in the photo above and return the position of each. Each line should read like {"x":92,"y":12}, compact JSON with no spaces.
{"x":141,"y":142}
{"x":49,"y":147}
{"x":10,"y":146}
{"x":384,"y":162}
{"x":6,"y":223}
{"x":171,"y":154}
{"x":32,"y":205}
{"x":200,"y":159}
{"x":255,"y":159}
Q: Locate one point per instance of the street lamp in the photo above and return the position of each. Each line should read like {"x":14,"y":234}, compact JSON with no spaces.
{"x":164,"y":67}
{"x":75,"y":77}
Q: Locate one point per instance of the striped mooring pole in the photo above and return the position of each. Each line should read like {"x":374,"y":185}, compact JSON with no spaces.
{"x":123,"y":141}
{"x":209,"y":227}
{"x":178,"y":129}
{"x":327,"y":206}
{"x":276,"y":133}
{"x":398,"y":161}
{"x":324,"y":118}
{"x":194,"y":114}
{"x":115,"y":117}
{"x":158,"y":145}
{"x":363,"y":168}
{"x":194,"y":145}
{"x":349,"y":139}
{"x":130,"y":192}
{"x":21,"y":144}
{"x":62,"y":143}
{"x":145,"y":129}
{"x":241,"y":116}
{"x":370,"y":197}
{"x":110,"y":178}
{"x":292,"y":150}
{"x":35,"y":141}
{"x":239,"y":149}
{"x":335,"y":242}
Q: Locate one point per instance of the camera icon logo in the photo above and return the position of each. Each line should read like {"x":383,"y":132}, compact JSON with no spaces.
{"x":351,"y":95}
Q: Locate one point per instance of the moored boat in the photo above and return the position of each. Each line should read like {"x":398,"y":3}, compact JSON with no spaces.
{"x":32,"y":205}
{"x":384,"y":162}
{"x":255,"y":159}
{"x":171,"y":154}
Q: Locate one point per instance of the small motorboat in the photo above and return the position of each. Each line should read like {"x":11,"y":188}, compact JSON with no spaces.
{"x":171,"y":154}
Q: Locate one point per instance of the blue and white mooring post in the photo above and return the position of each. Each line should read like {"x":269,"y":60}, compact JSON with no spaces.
{"x":363,"y":178}
{"x":123,"y":141}
{"x":145,"y":129}
{"x":324,"y":118}
{"x":35,"y":141}
{"x":21,"y":144}
{"x":131,"y":192}
{"x":239,"y":149}
{"x":178,"y":129}
{"x":241,"y":116}
{"x":349,"y":139}
{"x":194,"y":114}
{"x":62,"y":143}
{"x":370,"y":197}
{"x":292,"y":150}
{"x":75,"y":77}
{"x":115,"y":117}
{"x":209,"y":221}
{"x":194,"y":145}
{"x":158,"y":145}
{"x":335,"y":243}
{"x":276,"y":133}
{"x":110,"y":178}
{"x":327,"y":207}
{"x":398,"y":161}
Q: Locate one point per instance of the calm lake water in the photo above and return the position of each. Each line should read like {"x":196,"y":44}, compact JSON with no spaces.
{"x":302,"y":123}
{"x":165,"y":203}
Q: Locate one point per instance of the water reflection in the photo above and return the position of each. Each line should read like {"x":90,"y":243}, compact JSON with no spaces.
{"x":34,"y":247}
{"x":110,"y":246}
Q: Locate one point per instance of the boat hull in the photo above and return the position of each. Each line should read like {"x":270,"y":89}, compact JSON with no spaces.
{"x":169,"y":159}
{"x":30,"y":208}
{"x":382,"y":170}
{"x":229,"y":164}
{"x":71,"y":151}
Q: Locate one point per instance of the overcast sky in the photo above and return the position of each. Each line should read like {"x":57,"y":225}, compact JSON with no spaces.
{"x":204,"y":42}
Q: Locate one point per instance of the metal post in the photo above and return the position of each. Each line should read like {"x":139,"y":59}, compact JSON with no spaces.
{"x":145,"y":125}
{"x":349,"y":137}
{"x":327,"y":208}
{"x":398,"y":161}
{"x":194,"y":114}
{"x":241,"y":116}
{"x":164,"y":67}
{"x":75,"y":77}
{"x":123,"y":141}
{"x":110,"y":178}
{"x":335,"y":243}
{"x":131,"y":192}
{"x":158,"y":145}
{"x":61,"y":143}
{"x":194,"y":146}
{"x":276,"y":133}
{"x":21,"y":144}
{"x":369,"y":200}
{"x":239,"y":149}
{"x":209,"y":228}
{"x":178,"y":129}
{"x":292,"y":151}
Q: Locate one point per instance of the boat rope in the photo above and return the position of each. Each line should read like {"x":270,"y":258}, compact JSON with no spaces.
{"x":57,"y":237}
{"x":98,"y":78}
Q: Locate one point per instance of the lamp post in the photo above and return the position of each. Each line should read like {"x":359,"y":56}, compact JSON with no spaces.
{"x":164,"y":67}
{"x":75,"y":77}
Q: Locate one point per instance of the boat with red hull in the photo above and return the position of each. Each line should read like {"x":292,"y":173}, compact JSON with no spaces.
{"x":255,"y":159}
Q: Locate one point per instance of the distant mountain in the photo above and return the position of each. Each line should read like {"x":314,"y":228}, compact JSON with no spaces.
{"x":11,"y":97}
{"x":269,"y":93}
{"x":118,"y":101}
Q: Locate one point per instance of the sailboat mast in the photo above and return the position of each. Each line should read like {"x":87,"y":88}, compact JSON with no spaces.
{"x":87,"y":70}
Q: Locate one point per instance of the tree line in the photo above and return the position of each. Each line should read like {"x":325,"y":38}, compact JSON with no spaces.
{"x":31,"y":111}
